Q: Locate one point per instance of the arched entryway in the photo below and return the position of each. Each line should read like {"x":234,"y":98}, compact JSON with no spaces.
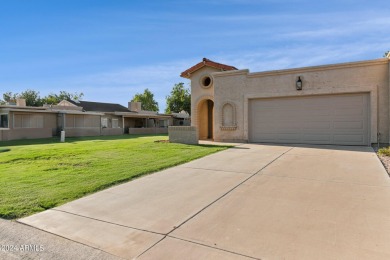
{"x":205,"y":119}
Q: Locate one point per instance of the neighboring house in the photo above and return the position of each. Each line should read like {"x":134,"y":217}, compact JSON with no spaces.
{"x":108,"y":123}
{"x":181,"y":119}
{"x":24,"y":122}
{"x":138,"y":121}
{"x":78,"y":118}
{"x":342,"y":104}
{"x":117,"y":119}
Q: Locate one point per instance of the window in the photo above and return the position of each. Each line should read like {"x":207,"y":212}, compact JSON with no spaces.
{"x":83,"y":121}
{"x":28,"y":121}
{"x":4,"y":121}
{"x":115,"y":123}
{"x":91,"y":121}
{"x":229,"y":117}
{"x":206,"y":81}
{"x":104,"y":122}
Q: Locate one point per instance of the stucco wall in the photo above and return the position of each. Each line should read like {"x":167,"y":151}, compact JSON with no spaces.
{"x":232,"y":90}
{"x":112,"y":131}
{"x":4,"y":134}
{"x":85,"y":131}
{"x":48,"y":129}
{"x":29,"y":133}
{"x":147,"y":131}
{"x":238,"y":87}
{"x":198,"y":94}
{"x":183,"y":134}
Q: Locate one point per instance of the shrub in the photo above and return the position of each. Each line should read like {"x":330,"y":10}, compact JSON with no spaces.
{"x":384,"y":151}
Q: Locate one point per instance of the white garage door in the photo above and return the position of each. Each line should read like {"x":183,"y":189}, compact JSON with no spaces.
{"x":330,"y":119}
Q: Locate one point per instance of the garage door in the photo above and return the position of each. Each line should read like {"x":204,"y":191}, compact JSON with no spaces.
{"x":330,"y":119}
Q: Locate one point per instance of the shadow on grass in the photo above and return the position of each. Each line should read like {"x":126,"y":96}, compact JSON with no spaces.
{"x":211,"y":145}
{"x":55,"y":140}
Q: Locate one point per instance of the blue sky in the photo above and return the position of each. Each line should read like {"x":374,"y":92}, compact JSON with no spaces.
{"x":112,"y":49}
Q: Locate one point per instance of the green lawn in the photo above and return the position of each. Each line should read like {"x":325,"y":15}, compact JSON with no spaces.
{"x":40,"y":174}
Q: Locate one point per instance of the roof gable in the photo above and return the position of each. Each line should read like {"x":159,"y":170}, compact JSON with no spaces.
{"x":206,"y":62}
{"x":66,"y":103}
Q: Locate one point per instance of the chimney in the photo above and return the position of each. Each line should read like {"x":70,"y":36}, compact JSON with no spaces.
{"x":20,"y":102}
{"x":134,"y":106}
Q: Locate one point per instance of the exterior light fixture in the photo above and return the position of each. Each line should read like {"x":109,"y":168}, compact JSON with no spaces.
{"x":299,"y":83}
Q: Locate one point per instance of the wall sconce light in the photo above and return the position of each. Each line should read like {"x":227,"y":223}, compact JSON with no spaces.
{"x":299,"y":83}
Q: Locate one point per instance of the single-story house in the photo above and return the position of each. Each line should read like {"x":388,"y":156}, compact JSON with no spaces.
{"x":116,"y":119}
{"x":340,"y":104}
{"x":24,"y":122}
{"x":80,"y":118}
{"x":181,"y":119}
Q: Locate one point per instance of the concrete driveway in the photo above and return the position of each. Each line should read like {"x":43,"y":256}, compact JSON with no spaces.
{"x":249,"y":202}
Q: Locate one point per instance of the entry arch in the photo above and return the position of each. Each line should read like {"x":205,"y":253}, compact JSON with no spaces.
{"x":205,"y":117}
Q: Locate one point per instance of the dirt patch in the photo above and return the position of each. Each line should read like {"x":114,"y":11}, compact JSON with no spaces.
{"x":384,"y":159}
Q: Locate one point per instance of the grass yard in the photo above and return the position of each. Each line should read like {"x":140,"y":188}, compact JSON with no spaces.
{"x":40,"y":174}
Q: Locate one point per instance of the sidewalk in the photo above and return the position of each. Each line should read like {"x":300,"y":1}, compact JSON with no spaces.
{"x":37,"y":244}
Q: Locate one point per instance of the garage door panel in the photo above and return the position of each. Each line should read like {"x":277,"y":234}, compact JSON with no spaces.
{"x":319,"y":102}
{"x":329,"y":119}
{"x":316,"y":112}
{"x":288,"y":125}
{"x":349,"y":112}
{"x":288,"y":136}
{"x":348,"y":101}
{"x":317,"y":125}
{"x":354,"y":125}
{"x":347,"y":138}
{"x":317,"y":137}
{"x":266,"y":136}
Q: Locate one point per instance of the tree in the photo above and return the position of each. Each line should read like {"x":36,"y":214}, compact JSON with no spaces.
{"x":32,"y":98}
{"x":147,"y":100}
{"x":63,"y":95}
{"x":179,"y":100}
{"x":8,"y":97}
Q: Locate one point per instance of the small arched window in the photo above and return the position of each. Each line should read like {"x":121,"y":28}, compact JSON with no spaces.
{"x":229,"y":117}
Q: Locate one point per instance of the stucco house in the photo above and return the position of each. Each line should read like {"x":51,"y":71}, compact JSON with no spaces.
{"x":341,"y":104}
{"x":23,"y":122}
{"x":82,"y":118}
{"x":117,"y":119}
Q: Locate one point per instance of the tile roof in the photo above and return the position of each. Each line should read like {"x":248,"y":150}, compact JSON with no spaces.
{"x":99,"y":107}
{"x":206,"y":62}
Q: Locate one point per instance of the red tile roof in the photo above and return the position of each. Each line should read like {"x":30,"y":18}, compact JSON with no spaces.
{"x":206,"y":62}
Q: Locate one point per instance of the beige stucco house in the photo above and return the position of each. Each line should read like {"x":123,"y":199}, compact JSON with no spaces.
{"x":81,"y":118}
{"x":24,"y":122}
{"x":343,"y":104}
